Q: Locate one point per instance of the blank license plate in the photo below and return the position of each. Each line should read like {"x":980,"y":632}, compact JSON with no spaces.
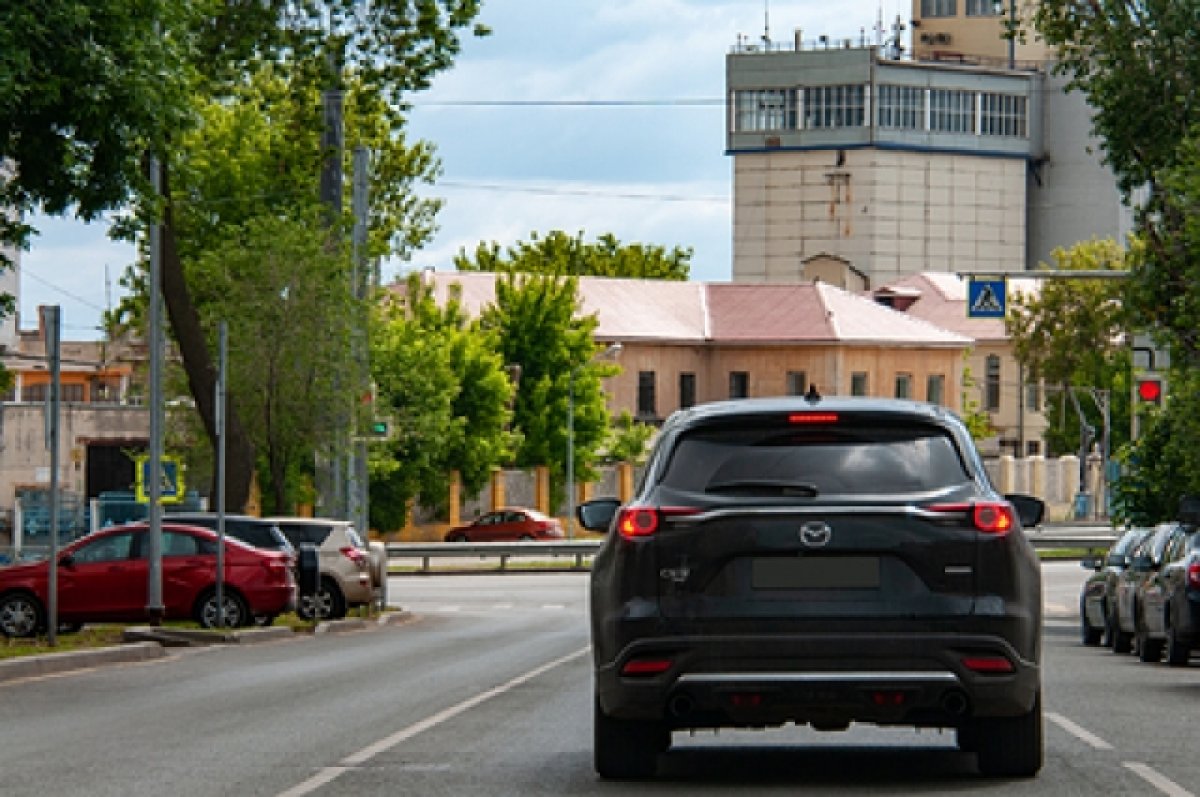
{"x":826,"y":572}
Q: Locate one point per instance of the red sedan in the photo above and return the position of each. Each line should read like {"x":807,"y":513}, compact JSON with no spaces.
{"x":103,"y":578}
{"x":512,"y":523}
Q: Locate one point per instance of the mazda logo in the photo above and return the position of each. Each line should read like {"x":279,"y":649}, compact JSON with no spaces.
{"x":816,"y":534}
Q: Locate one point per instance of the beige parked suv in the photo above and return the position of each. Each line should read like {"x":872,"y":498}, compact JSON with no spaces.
{"x":352,"y":573}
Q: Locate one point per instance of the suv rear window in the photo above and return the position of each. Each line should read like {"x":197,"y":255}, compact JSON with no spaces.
{"x":853,"y":458}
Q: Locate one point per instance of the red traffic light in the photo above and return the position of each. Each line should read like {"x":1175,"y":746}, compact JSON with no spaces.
{"x":1150,"y":390}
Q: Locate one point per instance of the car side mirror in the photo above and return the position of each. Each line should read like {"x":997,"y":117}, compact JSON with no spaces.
{"x":1029,"y":509}
{"x":597,"y":514}
{"x":1118,"y":560}
{"x":66,"y":560}
{"x":1091,"y":563}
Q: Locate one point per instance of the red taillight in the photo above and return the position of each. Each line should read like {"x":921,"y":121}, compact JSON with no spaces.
{"x":656,"y":666}
{"x":813,"y":417}
{"x":354,"y":555}
{"x":643,"y":521}
{"x":988,"y":665}
{"x":990,"y":517}
{"x":1193,"y":575}
{"x":278,"y":569}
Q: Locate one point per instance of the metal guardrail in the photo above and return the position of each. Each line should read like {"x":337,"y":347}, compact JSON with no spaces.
{"x":1089,"y":537}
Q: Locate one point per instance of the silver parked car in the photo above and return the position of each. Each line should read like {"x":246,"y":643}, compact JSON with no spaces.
{"x":353,"y":573}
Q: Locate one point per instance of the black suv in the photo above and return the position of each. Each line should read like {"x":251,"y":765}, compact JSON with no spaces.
{"x":819,"y":561}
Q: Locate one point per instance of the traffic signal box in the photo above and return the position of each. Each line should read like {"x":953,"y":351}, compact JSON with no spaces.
{"x":1151,"y":389}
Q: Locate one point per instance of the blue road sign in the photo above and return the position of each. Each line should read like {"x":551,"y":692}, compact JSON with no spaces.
{"x":171,"y":480}
{"x":986,"y":298}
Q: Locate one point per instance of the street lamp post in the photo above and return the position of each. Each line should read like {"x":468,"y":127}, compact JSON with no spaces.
{"x":612,"y":351}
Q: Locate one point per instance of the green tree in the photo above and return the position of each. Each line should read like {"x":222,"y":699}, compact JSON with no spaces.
{"x":562,"y":255}
{"x":282,"y":293}
{"x":1071,"y":334}
{"x":536,"y":318}
{"x":444,"y":384}
{"x":99,"y":109}
{"x":628,"y":440}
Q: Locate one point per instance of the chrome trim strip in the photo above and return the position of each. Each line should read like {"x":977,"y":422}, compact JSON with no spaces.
{"x":823,"y":510}
{"x":936,"y":676}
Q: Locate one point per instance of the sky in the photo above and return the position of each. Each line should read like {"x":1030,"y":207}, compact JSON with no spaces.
{"x":653,"y":173}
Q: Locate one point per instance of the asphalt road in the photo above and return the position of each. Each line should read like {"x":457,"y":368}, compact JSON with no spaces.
{"x":487,"y":692}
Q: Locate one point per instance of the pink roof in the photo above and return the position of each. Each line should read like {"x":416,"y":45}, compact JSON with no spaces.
{"x":693,"y":312}
{"x":943,"y":301}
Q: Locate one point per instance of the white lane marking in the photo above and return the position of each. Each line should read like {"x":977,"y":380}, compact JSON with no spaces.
{"x":1160,"y":782}
{"x":1077,"y":731}
{"x":328,"y":774}
{"x":554,"y":606}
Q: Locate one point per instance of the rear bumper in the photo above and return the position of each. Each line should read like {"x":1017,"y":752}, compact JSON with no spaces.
{"x":825,"y":679}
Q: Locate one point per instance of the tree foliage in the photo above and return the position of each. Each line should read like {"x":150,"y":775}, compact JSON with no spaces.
{"x":440,"y":378}
{"x":562,"y":255}
{"x":1136,"y":64}
{"x":536,"y":320}
{"x":1071,"y":335}
{"x":282,"y":294}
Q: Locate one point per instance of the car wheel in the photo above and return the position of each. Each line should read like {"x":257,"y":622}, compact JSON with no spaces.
{"x":457,"y":538}
{"x":626,"y":749}
{"x":1122,"y":641}
{"x":1148,"y":650}
{"x":1089,"y":635}
{"x":1010,"y":746}
{"x":1178,"y":651}
{"x":1110,"y":626}
{"x":327,"y":604}
{"x":235,"y":614}
{"x":21,"y":615}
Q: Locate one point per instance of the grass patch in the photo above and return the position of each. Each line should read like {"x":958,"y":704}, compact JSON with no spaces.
{"x":92,"y":636}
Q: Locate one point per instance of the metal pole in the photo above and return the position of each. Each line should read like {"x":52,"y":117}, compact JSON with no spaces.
{"x":154,"y":598}
{"x":1012,"y":34}
{"x":222,"y":395}
{"x":571,"y":455}
{"x":51,"y":323}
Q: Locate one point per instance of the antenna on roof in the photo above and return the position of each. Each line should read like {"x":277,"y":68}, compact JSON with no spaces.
{"x":766,"y":37}
{"x":812,"y":395}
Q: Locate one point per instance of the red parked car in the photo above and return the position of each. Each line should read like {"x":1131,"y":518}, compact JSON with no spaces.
{"x":511,"y":523}
{"x":103,"y":578}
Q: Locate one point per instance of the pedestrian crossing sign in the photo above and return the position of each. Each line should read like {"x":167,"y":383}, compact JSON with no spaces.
{"x":986,"y":297}
{"x":170,"y":480}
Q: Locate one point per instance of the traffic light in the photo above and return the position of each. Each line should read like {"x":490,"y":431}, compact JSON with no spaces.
{"x":380,"y":427}
{"x":1151,"y":389}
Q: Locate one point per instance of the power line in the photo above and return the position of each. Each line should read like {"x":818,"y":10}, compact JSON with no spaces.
{"x":695,"y":102}
{"x":27,"y":273}
{"x":584,"y":192}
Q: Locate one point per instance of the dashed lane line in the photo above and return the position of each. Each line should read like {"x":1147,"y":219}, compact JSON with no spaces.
{"x":1158,"y":781}
{"x":1078,"y":732}
{"x":328,"y":774}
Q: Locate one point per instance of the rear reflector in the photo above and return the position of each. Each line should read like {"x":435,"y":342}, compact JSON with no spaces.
{"x":354,"y":555}
{"x":988,"y":665}
{"x":889,"y":698}
{"x":645,"y":667}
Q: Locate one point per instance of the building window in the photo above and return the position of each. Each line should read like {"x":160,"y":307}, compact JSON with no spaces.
{"x":764,"y":109}
{"x":687,"y":390}
{"x":901,"y":107}
{"x":858,"y":383}
{"x":797,"y":383}
{"x":1033,"y":396}
{"x":935,"y":389}
{"x":1002,"y":115}
{"x":903,"y":386}
{"x":1033,"y":448}
{"x":72,"y":393}
{"x":34,"y":393}
{"x":739,"y":384}
{"x":939,"y":8}
{"x":645,"y":396}
{"x":951,"y":111}
{"x":991,"y":386}
{"x":834,"y":106}
{"x":984,"y":8}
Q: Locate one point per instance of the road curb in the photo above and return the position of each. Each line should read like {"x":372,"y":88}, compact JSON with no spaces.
{"x":66,"y":661}
{"x":143,"y":643}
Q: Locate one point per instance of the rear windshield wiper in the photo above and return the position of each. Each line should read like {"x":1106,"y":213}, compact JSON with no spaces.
{"x":764,"y":487}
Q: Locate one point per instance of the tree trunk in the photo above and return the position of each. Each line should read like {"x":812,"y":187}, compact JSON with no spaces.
{"x":200,"y":369}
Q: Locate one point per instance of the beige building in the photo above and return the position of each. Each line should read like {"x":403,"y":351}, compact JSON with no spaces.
{"x":685,"y":343}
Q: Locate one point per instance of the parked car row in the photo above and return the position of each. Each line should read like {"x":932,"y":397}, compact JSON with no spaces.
{"x":103,"y":577}
{"x":1145,"y":594}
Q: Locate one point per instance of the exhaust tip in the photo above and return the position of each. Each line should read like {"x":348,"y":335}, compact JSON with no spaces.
{"x":955,"y":703}
{"x":680,"y":706}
